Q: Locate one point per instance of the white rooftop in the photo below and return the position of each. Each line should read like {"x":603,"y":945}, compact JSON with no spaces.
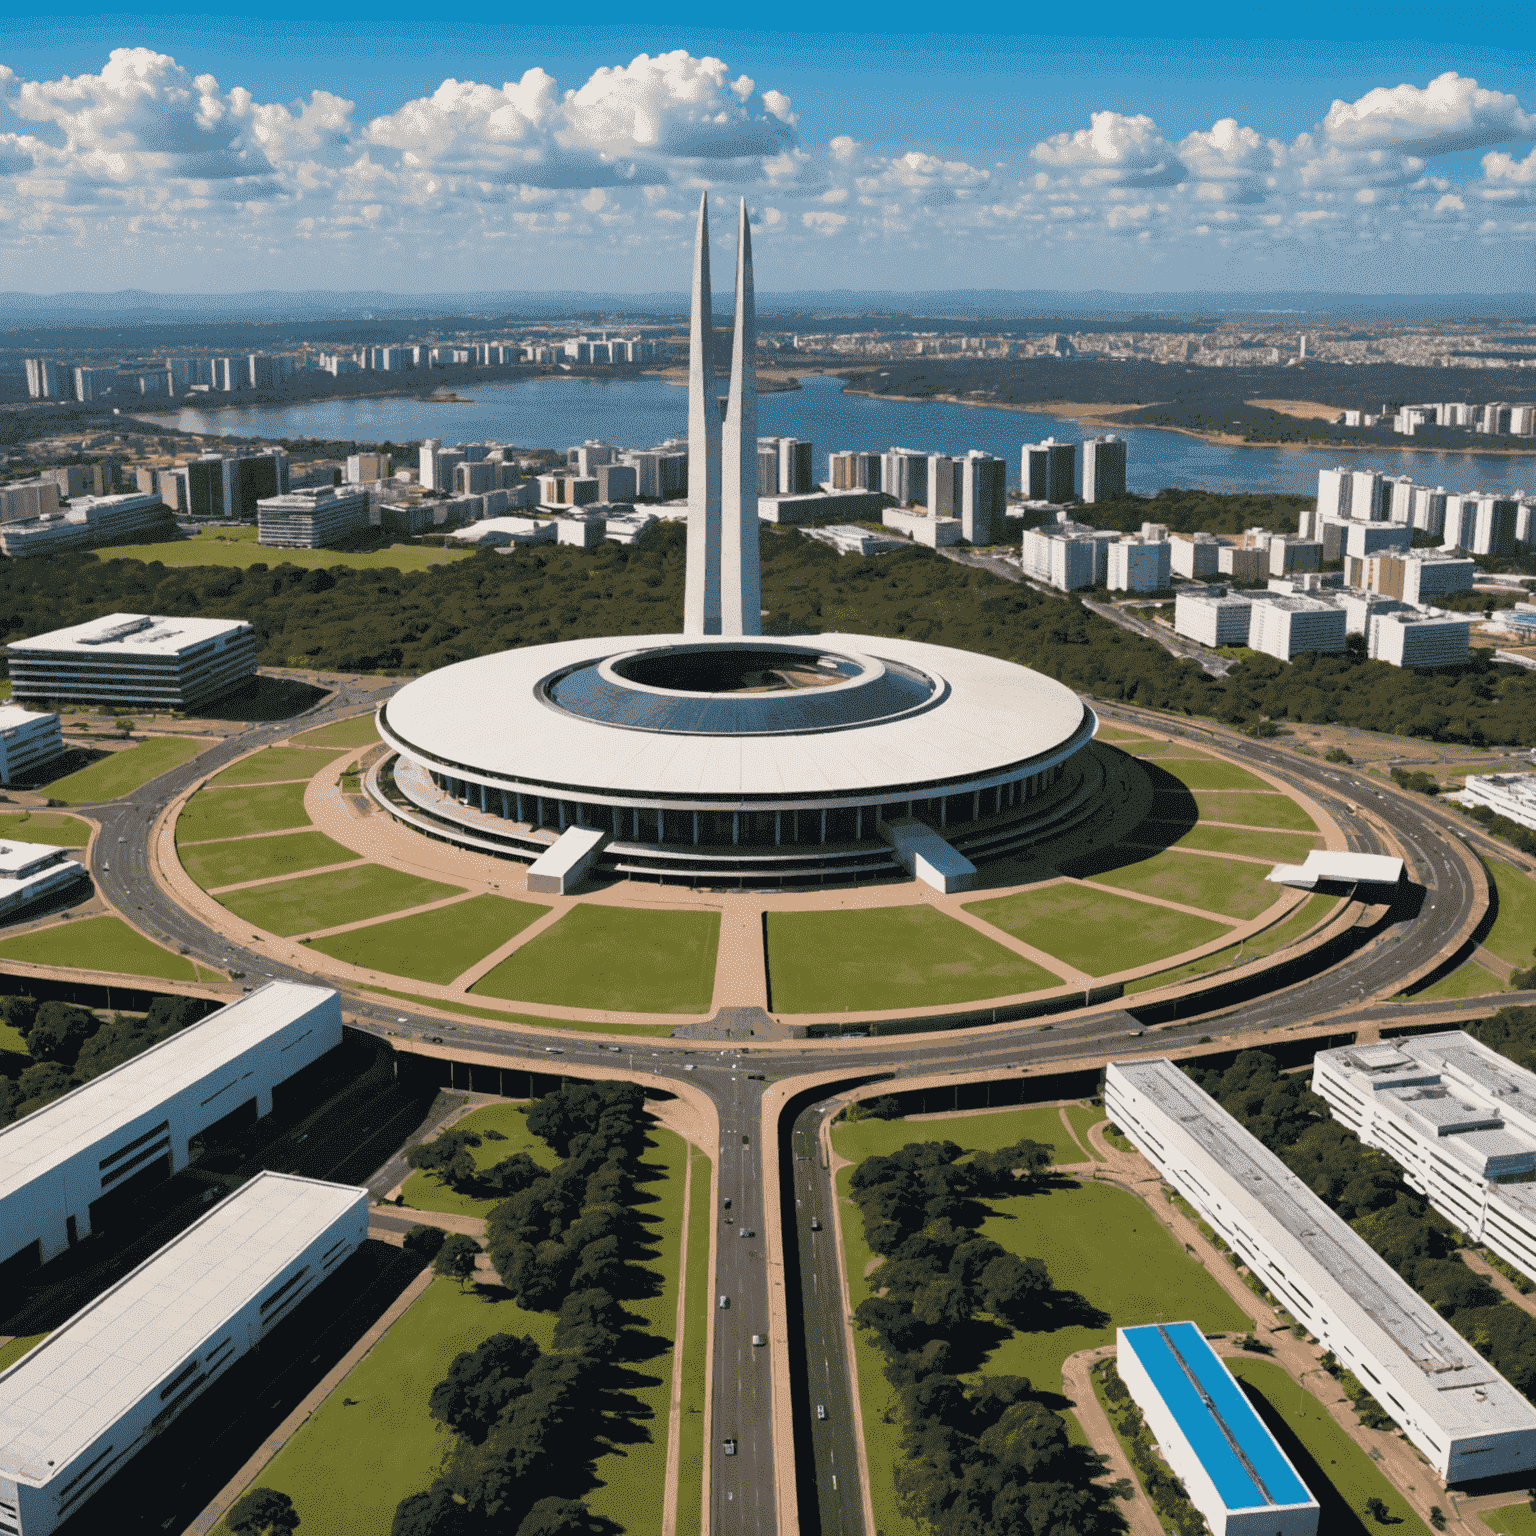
{"x":15,"y":857}
{"x":58,"y":1131}
{"x":57,"y":1401}
{"x":13,"y":716}
{"x":1340,"y":865}
{"x":130,"y":634}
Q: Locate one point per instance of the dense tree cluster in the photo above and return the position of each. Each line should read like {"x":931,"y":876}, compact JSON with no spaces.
{"x":1199,"y":511}
{"x":68,"y":1046}
{"x":1167,"y":1493}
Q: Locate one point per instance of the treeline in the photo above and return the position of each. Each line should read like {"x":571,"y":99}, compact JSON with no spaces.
{"x":983,"y":1454}
{"x":68,"y":1046}
{"x":527,"y":1423}
{"x":1368,"y":1190}
{"x":1194,"y":511}
{"x":343,"y":619}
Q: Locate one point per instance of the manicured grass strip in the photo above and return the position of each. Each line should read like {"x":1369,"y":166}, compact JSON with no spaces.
{"x":258,"y":858}
{"x":1266,"y":810}
{"x":695,"y":1379}
{"x":327,"y":901}
{"x":1084,"y":1117}
{"x":272,"y":765}
{"x":1274,"y":847}
{"x":230,"y":550}
{"x":99,"y":944}
{"x":618,"y":958}
{"x":1220,"y":960}
{"x":976,"y":1133}
{"x":45,"y":827}
{"x":1212,"y":773}
{"x":1161,"y":749}
{"x":12,"y":1352}
{"x":356,"y":732}
{"x":1510,"y":1520}
{"x":123,"y":772}
{"x":1513,"y":935}
{"x":1096,"y":930}
{"x":1115,"y":733}
{"x":1469,"y":979}
{"x":218,"y":813}
{"x":425,"y":1192}
{"x":870,"y":959}
{"x":1324,"y":1452}
{"x":434,"y":946}
{"x":1213,"y":885}
{"x":656,"y":1031}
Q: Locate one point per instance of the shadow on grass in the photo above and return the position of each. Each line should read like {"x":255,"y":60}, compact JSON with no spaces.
{"x":56,"y":768}
{"x":1174,"y":813}
{"x":267,"y":698}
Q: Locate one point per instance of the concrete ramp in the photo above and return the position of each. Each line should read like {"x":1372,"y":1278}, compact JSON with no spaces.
{"x":566,"y":862}
{"x":927,"y":857}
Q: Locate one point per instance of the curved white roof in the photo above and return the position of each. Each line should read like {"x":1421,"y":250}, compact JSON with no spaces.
{"x":486,"y":715}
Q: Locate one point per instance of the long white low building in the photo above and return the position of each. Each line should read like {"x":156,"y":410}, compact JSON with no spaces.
{"x":29,"y":872}
{"x":1458,"y":1118}
{"x":77,"y":1408}
{"x":55,"y":1162}
{"x":1461,"y":1413}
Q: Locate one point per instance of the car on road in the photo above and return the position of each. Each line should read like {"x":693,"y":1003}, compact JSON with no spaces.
{"x":821,"y":1410}
{"x":434,"y":1039}
{"x":758,"y":1340}
{"x":617,"y":1050}
{"x":730,"y":1445}
{"x":757,"y":1077}
{"x":554,"y":1050}
{"x":746,"y":1232}
{"x":725,"y":1302}
{"x":815,"y":1223}
{"x":688,"y":1066}
{"x":725,"y":1204}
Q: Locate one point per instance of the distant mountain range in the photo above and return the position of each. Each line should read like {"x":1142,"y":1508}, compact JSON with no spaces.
{"x":274,"y":306}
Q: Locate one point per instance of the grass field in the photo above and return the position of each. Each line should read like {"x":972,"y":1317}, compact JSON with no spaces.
{"x":217,"y":813}
{"x":357,"y":732}
{"x":424,"y":1192}
{"x":273,"y":765}
{"x":1115,"y":733}
{"x":99,"y":944}
{"x":976,"y":1133}
{"x":1513,"y":935}
{"x":1510,"y":1520}
{"x":45,"y":827}
{"x":618,"y":958}
{"x":123,"y":772}
{"x":12,"y":1352}
{"x":1255,"y":811}
{"x":1335,"y":1458}
{"x":1161,"y":749}
{"x":326,"y":901}
{"x":11,"y":1039}
{"x":434,"y":946}
{"x":656,"y":1031}
{"x":1272,"y":847}
{"x":1469,"y":979}
{"x":1213,"y":885}
{"x":875,"y":958}
{"x":1096,"y":930}
{"x":1083,"y":1118}
{"x":695,"y":1383}
{"x":257,"y":858}
{"x":1212,"y":773}
{"x":238,"y":547}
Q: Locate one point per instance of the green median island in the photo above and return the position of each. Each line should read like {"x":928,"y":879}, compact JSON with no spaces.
{"x":99,"y":944}
{"x":259,"y":858}
{"x":877,"y":958}
{"x":1247,"y":810}
{"x":46,"y":827}
{"x":1222,"y":886}
{"x":1271,"y":847}
{"x":1095,"y":930}
{"x":1212,"y":773}
{"x":313,"y":902}
{"x":220,"y":813}
{"x":623,"y":959}
{"x":1513,"y":935}
{"x":425,"y":1191}
{"x":869,"y":1137}
{"x":1469,"y":979}
{"x":121,"y":773}
{"x":434,"y":946}
{"x":340,"y":734}
{"x":274,"y":765}
{"x":695,"y":1380}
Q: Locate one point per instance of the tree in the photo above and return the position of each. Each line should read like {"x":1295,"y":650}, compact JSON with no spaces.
{"x":1377,"y":1510}
{"x":263,"y":1512}
{"x":58,"y":1032}
{"x":1009,"y":1284}
{"x":41,"y":1084}
{"x":423,"y":1242}
{"x":886,"y":1108}
{"x":481,"y":1382}
{"x":457,"y":1257}
{"x":433,"y":1513}
{"x":448,"y":1156}
{"x":19,"y":1013}
{"x":556,"y":1517}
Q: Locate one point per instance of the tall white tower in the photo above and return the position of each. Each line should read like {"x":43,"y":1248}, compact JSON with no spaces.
{"x":701,"y":583}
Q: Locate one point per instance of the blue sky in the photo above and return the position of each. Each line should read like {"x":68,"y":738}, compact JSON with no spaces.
{"x":215,"y":149}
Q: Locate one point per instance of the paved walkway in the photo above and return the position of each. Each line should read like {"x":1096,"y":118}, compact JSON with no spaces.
{"x":1140,"y":1516}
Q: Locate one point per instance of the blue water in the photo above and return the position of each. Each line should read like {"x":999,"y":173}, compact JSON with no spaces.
{"x":557,"y":412}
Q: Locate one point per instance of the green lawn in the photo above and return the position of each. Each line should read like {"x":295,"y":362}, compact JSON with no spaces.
{"x":258,"y":858}
{"x":1469,"y":979}
{"x":868,"y":959}
{"x":1273,"y":847}
{"x":12,"y":1352}
{"x":1161,"y":749}
{"x":1115,"y":733}
{"x":123,"y":772}
{"x":239,"y":547}
{"x":434,"y":946}
{"x":1212,"y":773}
{"x":1096,"y":930}
{"x":1513,"y":936}
{"x":656,"y":1031}
{"x":216,"y":813}
{"x":695,"y":1384}
{"x":1255,"y":811}
{"x":45,"y":827}
{"x":272,"y":765}
{"x":1214,"y":885}
{"x":424,"y":1192}
{"x":1083,"y":1118}
{"x":99,"y":944}
{"x":11,"y":1039}
{"x":1510,"y":1520}
{"x":1334,"y":1455}
{"x":620,"y":958}
{"x":329,"y":900}
{"x":976,"y":1133}
{"x":356,"y":732}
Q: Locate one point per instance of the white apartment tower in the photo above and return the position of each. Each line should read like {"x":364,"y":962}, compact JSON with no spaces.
{"x":1103,"y":468}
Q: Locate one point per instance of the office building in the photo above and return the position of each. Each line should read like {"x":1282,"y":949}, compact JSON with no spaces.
{"x":983,"y":506}
{"x":1333,"y":492}
{"x":30,"y":873}
{"x":589,"y":457}
{"x":1048,"y":471}
{"x":917,"y":525}
{"x":1139,"y":565}
{"x":1460,"y":531}
{"x":200,"y":486}
{"x":944,"y":486}
{"x":784,"y":467}
{"x":134,"y":661}
{"x":1194,"y":555}
{"x":1242,"y":565}
{"x":567,"y":491}
{"x":364,"y":468}
{"x":1397,"y":498}
{"x":1103,"y":468}
{"x":246,"y":478}
{"x":509,"y":532}
{"x":81,"y":479}
{"x":82,"y":1404}
{"x":1419,"y":640}
{"x":1212,"y":618}
{"x":1494,"y":527}
{"x":1418,"y":576}
{"x":1464,"y":1417}
{"x":474,"y":479}
{"x":315,"y":518}
{"x":25,"y":499}
{"x":94,"y":383}
{"x":28,"y":741}
{"x":86,"y":523}
{"x":1287,"y":626}
{"x":904,"y":476}
{"x":1507,"y":794}
{"x":1070,"y":556}
{"x":854,"y":471}
{"x":617,"y":482}
{"x":1362,"y":539}
{"x":1288,"y":556}
{"x":1428,"y":513}
{"x":1366,"y":490}
{"x":1207,"y":1431}
{"x":264,"y":372}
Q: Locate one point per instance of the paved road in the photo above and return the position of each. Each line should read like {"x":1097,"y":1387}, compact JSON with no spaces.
{"x":742,"y":1489}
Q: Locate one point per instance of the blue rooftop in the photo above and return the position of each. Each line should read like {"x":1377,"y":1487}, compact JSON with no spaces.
{"x":1240,"y":1456}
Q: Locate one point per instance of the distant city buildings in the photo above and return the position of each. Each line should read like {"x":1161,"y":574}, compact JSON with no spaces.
{"x":86,"y":523}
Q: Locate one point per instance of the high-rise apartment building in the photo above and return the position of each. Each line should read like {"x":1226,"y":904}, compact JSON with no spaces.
{"x":1048,"y":471}
{"x":983,"y":507}
{"x":904,"y":476}
{"x":854,"y":471}
{"x":1103,"y":468}
{"x":784,"y":467}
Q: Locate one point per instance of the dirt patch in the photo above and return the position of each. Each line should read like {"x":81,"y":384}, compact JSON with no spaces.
{"x":1304,"y":410}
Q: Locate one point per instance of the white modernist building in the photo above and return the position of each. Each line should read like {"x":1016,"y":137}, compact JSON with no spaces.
{"x":134,"y":660}
{"x":77,"y":1408}
{"x":1458,"y":1118}
{"x":1335,"y":866}
{"x":1419,"y":639}
{"x":1103,"y":468}
{"x":31,"y":871}
{"x":55,"y":1162}
{"x":1509,"y":794}
{"x":1211,"y":620}
{"x":1285,"y":627}
{"x":1139,"y":565}
{"x":86,"y":522}
{"x":28,"y":739}
{"x":1215,"y":1444}
{"x":1466,"y":1419}
{"x":311,"y":518}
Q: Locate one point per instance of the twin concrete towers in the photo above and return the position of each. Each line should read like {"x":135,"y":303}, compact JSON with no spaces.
{"x":723,"y":590}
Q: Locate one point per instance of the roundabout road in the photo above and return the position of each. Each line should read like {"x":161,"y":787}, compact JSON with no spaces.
{"x":748,"y":1494}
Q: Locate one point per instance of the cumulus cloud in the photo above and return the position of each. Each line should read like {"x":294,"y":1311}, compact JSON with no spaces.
{"x":1117,"y":151}
{"x":1448,"y":114}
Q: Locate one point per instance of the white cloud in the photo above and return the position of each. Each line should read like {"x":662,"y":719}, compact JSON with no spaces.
{"x":1450,"y":113}
{"x":1116,"y":151}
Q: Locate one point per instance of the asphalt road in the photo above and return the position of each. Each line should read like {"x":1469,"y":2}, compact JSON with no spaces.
{"x":743,"y":1486}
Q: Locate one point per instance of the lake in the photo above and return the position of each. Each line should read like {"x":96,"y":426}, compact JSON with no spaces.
{"x":555,"y":412}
